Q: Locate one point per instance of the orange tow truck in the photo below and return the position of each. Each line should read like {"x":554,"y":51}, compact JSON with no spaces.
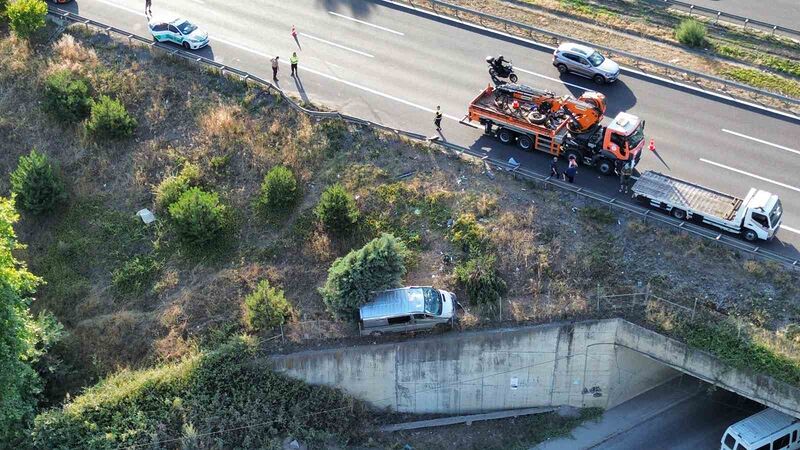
{"x":561,"y":126}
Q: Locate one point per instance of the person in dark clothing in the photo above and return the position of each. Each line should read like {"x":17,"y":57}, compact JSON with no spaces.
{"x":572,"y":170}
{"x":438,"y":118}
{"x":554,"y":167}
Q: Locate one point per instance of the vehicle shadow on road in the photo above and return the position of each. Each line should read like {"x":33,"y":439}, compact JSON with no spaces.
{"x":619,"y":97}
{"x":206,"y":52}
{"x":357,"y":8}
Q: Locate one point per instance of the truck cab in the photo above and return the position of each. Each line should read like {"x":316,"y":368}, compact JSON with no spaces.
{"x":762,"y":215}
{"x":624,"y":138}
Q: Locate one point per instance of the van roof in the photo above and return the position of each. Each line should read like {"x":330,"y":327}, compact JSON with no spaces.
{"x":758,"y":426}
{"x":407,"y":300}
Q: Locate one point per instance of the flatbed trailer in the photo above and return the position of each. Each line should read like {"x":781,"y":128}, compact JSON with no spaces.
{"x":756,"y":216}
{"x":602,"y":147}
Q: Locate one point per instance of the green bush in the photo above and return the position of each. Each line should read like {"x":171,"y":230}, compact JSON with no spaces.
{"x":279,"y":190}
{"x":469,"y":235}
{"x":171,"y":188}
{"x":110,"y":120}
{"x":691,"y":32}
{"x":266,"y":307}
{"x":25,"y":17}
{"x":480,"y":279}
{"x":136,"y":275}
{"x":67,"y":96}
{"x":198,"y":216}
{"x":229,"y":395}
{"x":337,"y":209}
{"x":379,"y":265}
{"x":38,"y":189}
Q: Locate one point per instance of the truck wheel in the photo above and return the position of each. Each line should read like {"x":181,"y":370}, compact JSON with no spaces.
{"x":605,"y":167}
{"x":505,"y":136}
{"x":525,"y":143}
{"x":749,"y":235}
{"x":562,"y":69}
{"x":678,"y":214}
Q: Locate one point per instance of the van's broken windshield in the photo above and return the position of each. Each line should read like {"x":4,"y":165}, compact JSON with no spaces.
{"x":433,"y":301}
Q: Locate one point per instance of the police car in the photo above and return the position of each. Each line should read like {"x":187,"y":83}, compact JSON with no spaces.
{"x":179,"y":31}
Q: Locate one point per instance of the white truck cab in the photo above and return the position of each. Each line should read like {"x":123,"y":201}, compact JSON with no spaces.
{"x":762,"y":214}
{"x":769,"y":429}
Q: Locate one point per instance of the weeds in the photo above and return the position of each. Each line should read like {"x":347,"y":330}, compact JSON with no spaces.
{"x":764,"y":80}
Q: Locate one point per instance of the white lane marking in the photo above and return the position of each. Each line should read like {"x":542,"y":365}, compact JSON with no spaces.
{"x":797,"y":152}
{"x":757,"y":177}
{"x":552,"y":79}
{"x":366,"y":23}
{"x":339,"y":80}
{"x":336,"y":45}
{"x":793,"y":230}
{"x":115,"y":5}
{"x":199,"y":1}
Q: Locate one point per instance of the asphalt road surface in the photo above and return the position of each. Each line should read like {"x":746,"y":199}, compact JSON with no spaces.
{"x":696,"y":424}
{"x":387,"y":64}
{"x":785,"y":13}
{"x":682,"y":414}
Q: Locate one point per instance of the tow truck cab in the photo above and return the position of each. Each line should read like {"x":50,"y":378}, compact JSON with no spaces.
{"x":624,"y":138}
{"x":763,"y":213}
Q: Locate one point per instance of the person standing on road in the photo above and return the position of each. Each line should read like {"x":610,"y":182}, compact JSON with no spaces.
{"x":274,"y":68}
{"x":293,"y":60}
{"x":554,"y":167}
{"x":148,"y":11}
{"x":572,"y":170}
{"x":625,"y":177}
{"x":438,"y":118}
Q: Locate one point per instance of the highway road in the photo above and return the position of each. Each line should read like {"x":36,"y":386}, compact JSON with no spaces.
{"x":391,"y":65}
{"x":785,"y":13}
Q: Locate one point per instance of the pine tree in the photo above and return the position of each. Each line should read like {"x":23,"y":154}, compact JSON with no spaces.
{"x":37,"y":187}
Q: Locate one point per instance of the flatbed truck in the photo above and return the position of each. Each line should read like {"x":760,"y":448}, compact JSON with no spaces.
{"x":602,"y":146}
{"x":756,"y":216}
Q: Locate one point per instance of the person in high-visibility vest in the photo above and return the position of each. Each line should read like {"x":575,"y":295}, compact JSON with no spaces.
{"x":624,"y":177}
{"x":293,"y":60}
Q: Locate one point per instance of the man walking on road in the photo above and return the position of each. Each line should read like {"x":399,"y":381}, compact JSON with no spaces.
{"x":274,"y":68}
{"x":438,"y":119}
{"x":293,"y":60}
{"x":554,"y":167}
{"x":148,"y":4}
{"x":572,"y":170}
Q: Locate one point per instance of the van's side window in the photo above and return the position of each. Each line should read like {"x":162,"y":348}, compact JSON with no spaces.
{"x":730,"y":441}
{"x":399,"y":320}
{"x":794,"y":436}
{"x":781,"y":442}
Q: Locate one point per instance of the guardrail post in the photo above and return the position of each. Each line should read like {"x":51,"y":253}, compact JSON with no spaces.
{"x":598,"y":297}
{"x":746,"y":21}
{"x":719,"y":13}
{"x":691,"y":9}
{"x":774,"y":27}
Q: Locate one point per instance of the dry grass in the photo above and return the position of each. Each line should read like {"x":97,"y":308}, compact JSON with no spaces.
{"x":69,"y":54}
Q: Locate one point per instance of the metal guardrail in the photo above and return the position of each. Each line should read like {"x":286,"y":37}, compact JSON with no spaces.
{"x":669,"y":68}
{"x":516,"y":171}
{"x":732,"y":18}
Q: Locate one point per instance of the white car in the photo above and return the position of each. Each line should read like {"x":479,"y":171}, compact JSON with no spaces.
{"x":179,"y":31}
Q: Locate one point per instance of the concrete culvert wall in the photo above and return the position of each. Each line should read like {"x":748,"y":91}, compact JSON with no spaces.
{"x":584,"y":364}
